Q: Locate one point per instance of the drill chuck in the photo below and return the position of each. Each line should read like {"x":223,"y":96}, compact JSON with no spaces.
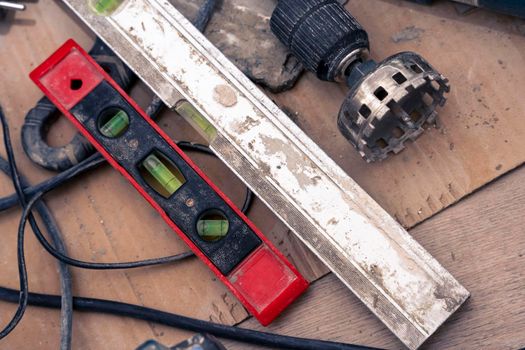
{"x":321,"y":34}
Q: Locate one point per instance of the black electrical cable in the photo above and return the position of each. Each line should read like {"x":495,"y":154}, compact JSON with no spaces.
{"x":173,"y":320}
{"x":66,"y":279}
{"x":26,"y":215}
{"x":66,"y":285}
{"x":22,"y":271}
{"x":15,"y":176}
{"x":90,"y":163}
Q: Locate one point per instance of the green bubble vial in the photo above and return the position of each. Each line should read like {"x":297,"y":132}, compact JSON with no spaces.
{"x":212,"y":229}
{"x":104,"y":7}
{"x":167,"y":179}
{"x":114,"y":123}
{"x":196,"y":119}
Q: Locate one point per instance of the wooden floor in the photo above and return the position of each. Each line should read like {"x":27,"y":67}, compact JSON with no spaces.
{"x":480,"y":240}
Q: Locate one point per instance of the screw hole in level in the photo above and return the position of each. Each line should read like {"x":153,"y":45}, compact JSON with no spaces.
{"x":75,"y":84}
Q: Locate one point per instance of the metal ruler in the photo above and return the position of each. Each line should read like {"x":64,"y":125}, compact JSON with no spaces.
{"x":364,"y":246}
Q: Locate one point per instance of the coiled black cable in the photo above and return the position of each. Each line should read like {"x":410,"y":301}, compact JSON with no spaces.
{"x":27,"y":215}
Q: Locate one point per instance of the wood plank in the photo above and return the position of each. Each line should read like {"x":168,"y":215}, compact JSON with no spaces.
{"x":481,"y":240}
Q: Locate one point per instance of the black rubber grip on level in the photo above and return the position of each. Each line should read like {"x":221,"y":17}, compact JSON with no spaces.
{"x":320,"y":33}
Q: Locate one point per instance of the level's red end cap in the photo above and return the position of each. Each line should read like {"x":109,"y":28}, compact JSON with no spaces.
{"x":67,"y":75}
{"x":267,"y":283}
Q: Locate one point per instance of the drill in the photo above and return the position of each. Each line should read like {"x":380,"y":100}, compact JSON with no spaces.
{"x":388,"y":103}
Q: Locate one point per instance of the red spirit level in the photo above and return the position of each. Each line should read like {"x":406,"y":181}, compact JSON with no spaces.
{"x":233,"y":248}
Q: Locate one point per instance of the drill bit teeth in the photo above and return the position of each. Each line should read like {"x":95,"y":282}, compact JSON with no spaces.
{"x":392,"y":104}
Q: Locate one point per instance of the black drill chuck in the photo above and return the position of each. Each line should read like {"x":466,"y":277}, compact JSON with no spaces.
{"x":320,"y":33}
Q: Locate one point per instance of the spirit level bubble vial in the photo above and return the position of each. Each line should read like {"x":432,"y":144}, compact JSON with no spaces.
{"x":233,"y":248}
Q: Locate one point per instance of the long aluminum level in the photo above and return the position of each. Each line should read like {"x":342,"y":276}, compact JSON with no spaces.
{"x":364,"y":246}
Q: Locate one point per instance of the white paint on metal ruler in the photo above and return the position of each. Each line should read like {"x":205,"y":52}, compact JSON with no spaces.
{"x":365,"y":247}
